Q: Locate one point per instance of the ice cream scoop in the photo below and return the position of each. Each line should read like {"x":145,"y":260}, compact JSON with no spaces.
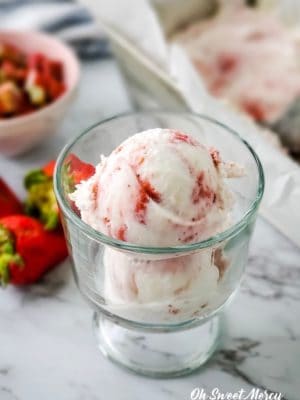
{"x":159,"y":188}
{"x":248,"y":58}
{"x":171,"y":288}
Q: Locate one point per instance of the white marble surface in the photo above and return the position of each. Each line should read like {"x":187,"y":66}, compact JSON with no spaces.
{"x":47,"y":349}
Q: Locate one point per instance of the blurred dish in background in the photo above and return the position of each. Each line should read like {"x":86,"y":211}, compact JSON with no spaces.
{"x":244,"y":52}
{"x":21,"y":132}
{"x":247,"y":57}
{"x":27,"y":81}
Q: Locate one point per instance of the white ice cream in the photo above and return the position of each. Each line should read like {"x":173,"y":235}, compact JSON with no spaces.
{"x":247,"y":57}
{"x":172,"y":289}
{"x":158,"y":188}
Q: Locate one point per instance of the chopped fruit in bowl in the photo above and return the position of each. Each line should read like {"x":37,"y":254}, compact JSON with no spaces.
{"x":27,"y":81}
{"x":38,"y":79}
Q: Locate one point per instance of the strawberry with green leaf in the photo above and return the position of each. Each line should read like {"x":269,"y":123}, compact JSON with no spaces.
{"x":75,"y":171}
{"x":27,"y":250}
{"x":41,"y":202}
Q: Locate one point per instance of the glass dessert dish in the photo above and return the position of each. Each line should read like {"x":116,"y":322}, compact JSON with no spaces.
{"x":156,"y":309}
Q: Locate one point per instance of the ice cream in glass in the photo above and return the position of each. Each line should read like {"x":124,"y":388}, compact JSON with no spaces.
{"x":160,"y":187}
{"x":159,"y":232}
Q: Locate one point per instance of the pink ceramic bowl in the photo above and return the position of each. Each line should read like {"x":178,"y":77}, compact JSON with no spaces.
{"x":19,"y":134}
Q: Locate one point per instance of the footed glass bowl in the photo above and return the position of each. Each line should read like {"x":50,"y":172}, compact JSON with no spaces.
{"x":156,"y":308}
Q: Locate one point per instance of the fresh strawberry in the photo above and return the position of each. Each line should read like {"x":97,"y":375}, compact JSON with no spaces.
{"x":9,"y":203}
{"x":48,"y":169}
{"x":75,"y":171}
{"x":27,"y":251}
{"x":41,"y":202}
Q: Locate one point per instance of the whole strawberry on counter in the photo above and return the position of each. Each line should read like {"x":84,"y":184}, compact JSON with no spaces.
{"x":41,"y":202}
{"x":27,"y":251}
{"x":9,"y":203}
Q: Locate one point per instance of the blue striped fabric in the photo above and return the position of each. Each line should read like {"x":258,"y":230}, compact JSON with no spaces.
{"x":64,"y":18}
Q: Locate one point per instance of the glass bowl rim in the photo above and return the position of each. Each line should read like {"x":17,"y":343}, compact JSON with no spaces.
{"x":104,"y":239}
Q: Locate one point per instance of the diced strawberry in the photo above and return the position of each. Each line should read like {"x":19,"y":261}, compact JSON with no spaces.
{"x":56,"y":69}
{"x":35,"y":87}
{"x":78,"y":170}
{"x":121,"y":233}
{"x":10,"y":98}
{"x":146,"y":192}
{"x":36,"y":61}
{"x":215,"y":155}
{"x":55,"y":89}
{"x":38,"y":80}
{"x":9,"y":71}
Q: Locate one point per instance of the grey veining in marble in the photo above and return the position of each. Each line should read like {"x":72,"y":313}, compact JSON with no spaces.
{"x":47,"y":349}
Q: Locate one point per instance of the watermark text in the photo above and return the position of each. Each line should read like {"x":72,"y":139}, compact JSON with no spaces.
{"x":242,"y":394}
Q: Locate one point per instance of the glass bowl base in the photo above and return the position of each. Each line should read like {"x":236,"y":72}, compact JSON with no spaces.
{"x":157,"y":354}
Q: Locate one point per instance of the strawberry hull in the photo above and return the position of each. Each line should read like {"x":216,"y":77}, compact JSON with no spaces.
{"x":41,"y":202}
